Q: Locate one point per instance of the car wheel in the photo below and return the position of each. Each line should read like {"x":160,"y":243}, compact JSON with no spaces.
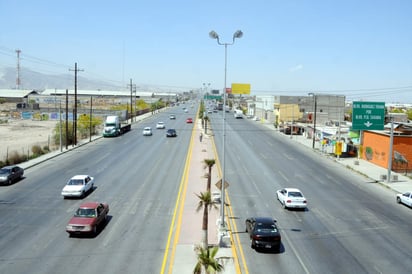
{"x":284,"y":205}
{"x":398,"y":200}
{"x":95,"y":230}
{"x":9,"y":181}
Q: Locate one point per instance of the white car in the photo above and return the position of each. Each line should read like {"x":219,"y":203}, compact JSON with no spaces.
{"x":78,"y":186}
{"x":291,"y":198}
{"x":160,"y":125}
{"x":147,"y":131}
{"x":405,"y":198}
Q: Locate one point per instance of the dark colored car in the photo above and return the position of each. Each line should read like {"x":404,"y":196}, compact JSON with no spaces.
{"x":88,"y":218}
{"x":171,"y":132}
{"x":10,"y":174}
{"x":263,"y":233}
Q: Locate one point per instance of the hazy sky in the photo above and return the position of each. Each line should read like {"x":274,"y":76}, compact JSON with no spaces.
{"x":358,"y":48}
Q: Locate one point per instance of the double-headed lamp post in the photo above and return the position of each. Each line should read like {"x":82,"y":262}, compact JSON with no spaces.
{"x":214,"y":35}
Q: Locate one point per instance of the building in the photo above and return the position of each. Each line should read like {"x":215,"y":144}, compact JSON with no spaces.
{"x":376,"y":147}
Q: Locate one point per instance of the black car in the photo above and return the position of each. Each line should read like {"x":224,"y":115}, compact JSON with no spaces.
{"x":10,"y":174}
{"x":263,"y":233}
{"x":171,"y":132}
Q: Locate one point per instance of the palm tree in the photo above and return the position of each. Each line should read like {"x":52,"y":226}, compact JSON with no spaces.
{"x":207,"y":204}
{"x":206,"y":260}
{"x":209,"y":163}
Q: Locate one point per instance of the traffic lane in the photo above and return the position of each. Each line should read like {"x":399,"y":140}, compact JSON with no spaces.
{"x":289,"y":168}
{"x":137,"y":201}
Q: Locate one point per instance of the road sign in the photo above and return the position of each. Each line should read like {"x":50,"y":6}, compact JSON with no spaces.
{"x":219,"y":184}
{"x":368,"y":115}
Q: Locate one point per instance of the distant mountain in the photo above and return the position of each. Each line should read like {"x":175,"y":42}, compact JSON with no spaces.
{"x":38,"y":81}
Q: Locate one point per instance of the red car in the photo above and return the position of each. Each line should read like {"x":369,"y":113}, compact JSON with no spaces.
{"x":189,"y":120}
{"x":88,"y":218}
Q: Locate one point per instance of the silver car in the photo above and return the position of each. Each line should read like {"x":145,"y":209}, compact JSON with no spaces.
{"x":10,"y":174}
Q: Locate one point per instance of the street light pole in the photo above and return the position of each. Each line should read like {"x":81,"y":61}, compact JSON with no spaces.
{"x":214,"y":35}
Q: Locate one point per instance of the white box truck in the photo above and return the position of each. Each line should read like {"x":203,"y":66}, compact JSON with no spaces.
{"x":113,"y":127}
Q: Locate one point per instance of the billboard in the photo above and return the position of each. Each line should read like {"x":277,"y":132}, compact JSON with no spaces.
{"x":240,"y":88}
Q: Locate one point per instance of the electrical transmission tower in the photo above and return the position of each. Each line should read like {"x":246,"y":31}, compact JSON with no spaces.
{"x":18,"y":69}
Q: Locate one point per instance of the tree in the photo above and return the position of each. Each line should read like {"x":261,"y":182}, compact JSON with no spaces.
{"x":205,"y":202}
{"x":84,"y":124}
{"x":209,"y":163}
{"x":206,"y":260}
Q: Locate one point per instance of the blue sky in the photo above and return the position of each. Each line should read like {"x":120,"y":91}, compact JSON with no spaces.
{"x":361,"y":49}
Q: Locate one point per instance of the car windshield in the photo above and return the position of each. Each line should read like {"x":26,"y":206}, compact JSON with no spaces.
{"x":295,"y":194}
{"x":85,"y":212}
{"x":4,"y":171}
{"x":75,"y":182}
{"x":266,"y":228}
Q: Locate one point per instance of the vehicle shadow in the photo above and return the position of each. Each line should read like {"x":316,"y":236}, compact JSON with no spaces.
{"x":306,"y":209}
{"x":91,"y":235}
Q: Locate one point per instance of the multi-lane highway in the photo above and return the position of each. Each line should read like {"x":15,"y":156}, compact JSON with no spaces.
{"x":351,"y":225}
{"x":137,"y":175}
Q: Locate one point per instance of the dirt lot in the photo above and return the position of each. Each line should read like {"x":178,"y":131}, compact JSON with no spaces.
{"x":21,"y":135}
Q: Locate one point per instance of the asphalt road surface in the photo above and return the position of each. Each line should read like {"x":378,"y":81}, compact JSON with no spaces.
{"x":351,"y":225}
{"x":137,"y":176}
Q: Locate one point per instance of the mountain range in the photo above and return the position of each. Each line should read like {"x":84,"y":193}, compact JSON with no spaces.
{"x":38,"y":81}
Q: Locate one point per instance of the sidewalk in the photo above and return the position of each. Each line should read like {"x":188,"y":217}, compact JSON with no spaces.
{"x":399,"y":183}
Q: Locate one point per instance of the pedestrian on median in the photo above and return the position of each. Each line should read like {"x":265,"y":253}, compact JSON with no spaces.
{"x":200,"y":137}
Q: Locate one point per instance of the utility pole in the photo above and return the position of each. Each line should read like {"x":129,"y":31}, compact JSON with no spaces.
{"x":18,"y":69}
{"x":67,"y":118}
{"x":132,"y":87}
{"x":75,"y":102}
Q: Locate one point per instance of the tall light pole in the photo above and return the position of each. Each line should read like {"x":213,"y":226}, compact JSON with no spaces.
{"x":314,"y":118}
{"x":214,"y":35}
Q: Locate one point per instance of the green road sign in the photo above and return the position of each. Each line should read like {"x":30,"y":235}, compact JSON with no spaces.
{"x":212,"y":97}
{"x":368,"y":115}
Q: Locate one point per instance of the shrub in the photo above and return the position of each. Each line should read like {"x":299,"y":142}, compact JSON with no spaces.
{"x":15,"y":158}
{"x":37,"y":151}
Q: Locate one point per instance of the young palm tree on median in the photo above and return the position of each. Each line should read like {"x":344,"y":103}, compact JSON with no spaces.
{"x":206,"y":260}
{"x":209,"y":163}
{"x":205,"y":202}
